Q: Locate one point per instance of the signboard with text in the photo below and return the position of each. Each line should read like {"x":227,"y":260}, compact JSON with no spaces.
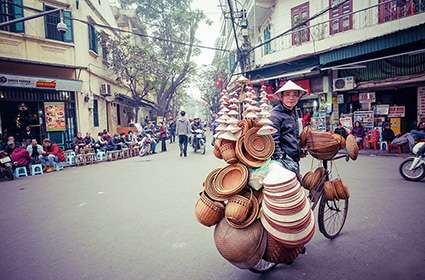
{"x":365,"y":117}
{"x":382,"y":109}
{"x":367,"y":97}
{"x":397,"y":112}
{"x":40,"y":83}
{"x":55,"y":116}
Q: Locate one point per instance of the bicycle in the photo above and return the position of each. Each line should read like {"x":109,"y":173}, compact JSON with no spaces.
{"x":331,"y":214}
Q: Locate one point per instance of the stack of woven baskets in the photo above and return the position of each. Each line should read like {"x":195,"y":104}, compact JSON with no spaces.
{"x":230,"y":203}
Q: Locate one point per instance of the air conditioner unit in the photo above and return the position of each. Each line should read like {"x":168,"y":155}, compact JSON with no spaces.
{"x":105,"y":90}
{"x":341,"y":84}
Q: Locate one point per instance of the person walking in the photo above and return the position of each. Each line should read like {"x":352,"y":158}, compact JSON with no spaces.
{"x":183,"y":132}
{"x":172,"y":130}
{"x":163,"y":136}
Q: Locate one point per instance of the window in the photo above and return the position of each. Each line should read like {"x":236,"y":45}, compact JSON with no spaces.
{"x":95,"y":113}
{"x":341,"y":17}
{"x":92,"y":37}
{"x":105,"y":54}
{"x":118,"y":114}
{"x":396,"y":9}
{"x":51,"y":21}
{"x":300,"y":14}
{"x":10,"y":10}
{"x":267,"y":36}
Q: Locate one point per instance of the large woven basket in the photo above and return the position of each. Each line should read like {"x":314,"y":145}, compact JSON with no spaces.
{"x":241,"y":247}
{"x":207,"y":211}
{"x":329,"y":191}
{"x":322,"y":145}
{"x":210,"y":186}
{"x":231,"y":179}
{"x":277,"y":252}
{"x":340,"y":189}
{"x":252,"y":214}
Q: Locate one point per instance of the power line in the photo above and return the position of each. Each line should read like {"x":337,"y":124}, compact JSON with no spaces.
{"x":125,"y":31}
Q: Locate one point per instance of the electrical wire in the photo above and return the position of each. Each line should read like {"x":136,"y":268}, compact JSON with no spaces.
{"x":117,"y":29}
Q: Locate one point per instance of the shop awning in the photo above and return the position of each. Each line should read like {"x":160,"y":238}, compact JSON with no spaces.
{"x":396,"y":39}
{"x":393,"y":82}
{"x":295,"y":74}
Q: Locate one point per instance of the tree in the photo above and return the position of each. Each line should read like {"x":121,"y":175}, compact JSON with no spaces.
{"x":159,"y":67}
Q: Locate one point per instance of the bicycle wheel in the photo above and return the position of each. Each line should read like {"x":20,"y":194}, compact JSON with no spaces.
{"x":332,"y":215}
{"x":263,"y":266}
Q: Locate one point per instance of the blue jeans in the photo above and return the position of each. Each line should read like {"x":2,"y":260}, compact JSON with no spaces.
{"x":49,"y":160}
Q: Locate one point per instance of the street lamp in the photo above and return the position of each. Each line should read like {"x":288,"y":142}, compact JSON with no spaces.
{"x":62,"y":27}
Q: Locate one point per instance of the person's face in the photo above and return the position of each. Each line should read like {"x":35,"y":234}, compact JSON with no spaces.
{"x":28,"y":128}
{"x":79,"y":135}
{"x":47,"y":144}
{"x":10,"y":139}
{"x":290,"y":98}
{"x":357,"y":124}
{"x":34,"y":142}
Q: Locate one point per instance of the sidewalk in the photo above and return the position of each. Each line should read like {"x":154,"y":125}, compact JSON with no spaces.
{"x":370,"y":152}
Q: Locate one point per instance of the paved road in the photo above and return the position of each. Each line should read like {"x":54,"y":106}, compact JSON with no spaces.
{"x":133,"y":219}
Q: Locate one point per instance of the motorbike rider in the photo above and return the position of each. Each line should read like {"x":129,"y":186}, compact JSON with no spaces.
{"x":197,"y":124}
{"x":285,"y":120}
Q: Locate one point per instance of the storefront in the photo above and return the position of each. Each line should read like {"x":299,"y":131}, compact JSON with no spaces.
{"x":47,"y":106}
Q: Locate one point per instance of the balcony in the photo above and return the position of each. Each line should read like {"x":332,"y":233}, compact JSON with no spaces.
{"x":364,"y":24}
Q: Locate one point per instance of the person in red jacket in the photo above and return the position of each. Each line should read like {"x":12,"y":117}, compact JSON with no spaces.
{"x":19,"y":156}
{"x":52,"y":155}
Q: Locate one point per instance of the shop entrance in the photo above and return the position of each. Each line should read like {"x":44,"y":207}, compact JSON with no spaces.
{"x":21,"y":107}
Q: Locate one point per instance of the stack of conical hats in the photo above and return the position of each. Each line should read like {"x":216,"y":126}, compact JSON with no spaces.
{"x":266,"y":124}
{"x":286,"y":213}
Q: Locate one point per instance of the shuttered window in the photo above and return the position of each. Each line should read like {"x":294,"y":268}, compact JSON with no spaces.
{"x":10,"y":10}
{"x":341,"y":17}
{"x":300,"y":14}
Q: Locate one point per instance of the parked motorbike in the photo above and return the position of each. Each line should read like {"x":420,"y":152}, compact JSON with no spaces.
{"x":413,"y":168}
{"x":199,"y":140}
{"x":145,"y":144}
{"x":6,"y":166}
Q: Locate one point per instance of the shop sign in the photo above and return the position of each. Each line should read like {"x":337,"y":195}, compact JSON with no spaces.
{"x":40,"y":83}
{"x":367,"y":97}
{"x":55,"y":116}
{"x":346,"y":122}
{"x":340,"y":98}
{"x":382,"y":109}
{"x":397,"y":112}
{"x":365,"y":117}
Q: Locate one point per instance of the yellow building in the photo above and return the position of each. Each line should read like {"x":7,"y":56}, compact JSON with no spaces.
{"x":60,"y":77}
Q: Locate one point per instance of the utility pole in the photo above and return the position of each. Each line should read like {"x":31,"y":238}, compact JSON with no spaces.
{"x":240,"y":53}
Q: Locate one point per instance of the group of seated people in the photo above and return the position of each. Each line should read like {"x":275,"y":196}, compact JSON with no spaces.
{"x":386,"y":134}
{"x":48,"y":154}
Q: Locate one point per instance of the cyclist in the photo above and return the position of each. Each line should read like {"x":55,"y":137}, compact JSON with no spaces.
{"x":285,"y":121}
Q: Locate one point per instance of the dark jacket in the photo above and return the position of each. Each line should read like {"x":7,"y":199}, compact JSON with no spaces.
{"x":341,"y":131}
{"x":388,"y":134}
{"x":286,"y":138}
{"x":358,"y":132}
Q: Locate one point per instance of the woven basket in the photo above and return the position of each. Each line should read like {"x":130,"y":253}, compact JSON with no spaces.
{"x":304,"y":136}
{"x":322,"y":145}
{"x":207,"y":211}
{"x":351,"y":146}
{"x":329,"y":191}
{"x":306,"y":181}
{"x":237,"y":208}
{"x":231,"y":179}
{"x":217,"y":153}
{"x":340,"y":140}
{"x":241,"y":247}
{"x":244,"y":157}
{"x":252,"y":214}
{"x":217,"y":143}
{"x":210,"y":186}
{"x":227,"y":151}
{"x":260,"y":147}
{"x":277,"y":252}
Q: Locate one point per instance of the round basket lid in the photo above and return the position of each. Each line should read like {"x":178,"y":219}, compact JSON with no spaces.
{"x":244,"y":157}
{"x":260,"y":147}
{"x":231,"y":179}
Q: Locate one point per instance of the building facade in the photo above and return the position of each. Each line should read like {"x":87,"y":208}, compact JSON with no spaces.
{"x":58,"y":83}
{"x":358,"y":59}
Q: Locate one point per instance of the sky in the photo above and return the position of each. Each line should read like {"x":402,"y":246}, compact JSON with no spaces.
{"x":207,"y":35}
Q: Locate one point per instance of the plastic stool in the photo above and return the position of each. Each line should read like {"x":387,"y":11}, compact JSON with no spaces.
{"x":36,"y":169}
{"x":70,"y":158}
{"x":21,"y":172}
{"x":58,"y":166}
{"x":384,"y":146}
{"x":101,"y":156}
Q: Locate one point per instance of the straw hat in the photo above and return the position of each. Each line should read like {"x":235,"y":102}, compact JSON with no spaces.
{"x":227,"y":135}
{"x":290,"y":85}
{"x":278,"y":175}
{"x":266,"y":130}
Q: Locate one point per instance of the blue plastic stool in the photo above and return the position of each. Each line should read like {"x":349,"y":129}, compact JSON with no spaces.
{"x":101,"y":156}
{"x":21,"y":172}
{"x":36,"y":169}
{"x":70,"y":158}
{"x":58,"y":166}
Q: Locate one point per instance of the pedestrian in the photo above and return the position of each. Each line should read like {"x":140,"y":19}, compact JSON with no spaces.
{"x":163,"y":136}
{"x":172,"y":130}
{"x":52,"y":155}
{"x":285,"y":121}
{"x":183,"y":132}
{"x":341,"y":130}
